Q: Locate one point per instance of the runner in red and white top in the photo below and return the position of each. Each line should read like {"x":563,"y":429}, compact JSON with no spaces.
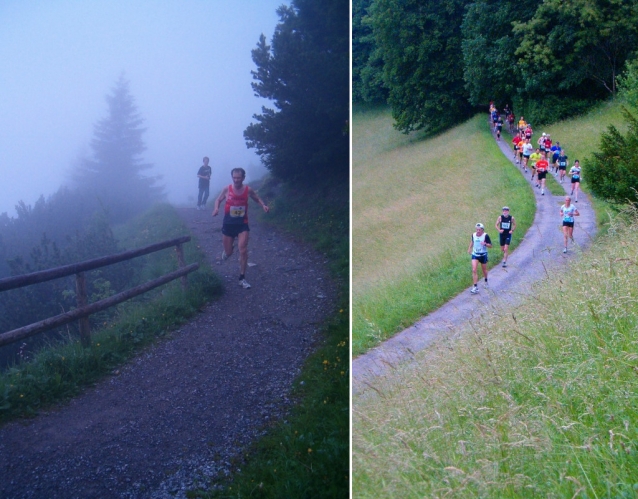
{"x":235,"y":224}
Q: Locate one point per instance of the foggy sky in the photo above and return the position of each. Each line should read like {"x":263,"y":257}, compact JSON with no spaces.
{"x":188,"y":64}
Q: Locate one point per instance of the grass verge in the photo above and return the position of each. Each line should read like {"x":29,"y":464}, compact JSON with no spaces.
{"x":61,"y":370}
{"x":415,"y":203}
{"x":307,"y":455}
{"x":528,"y":402}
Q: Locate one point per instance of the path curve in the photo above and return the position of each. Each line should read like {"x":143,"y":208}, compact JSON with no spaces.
{"x":177,"y":414}
{"x":538,"y":253}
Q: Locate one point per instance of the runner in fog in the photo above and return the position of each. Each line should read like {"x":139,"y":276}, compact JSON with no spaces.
{"x":505,"y":224}
{"x":203,"y":174}
{"x":478,"y":249}
{"x":235,"y":224}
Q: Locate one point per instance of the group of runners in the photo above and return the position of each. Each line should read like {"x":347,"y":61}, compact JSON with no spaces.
{"x":546,"y":157}
{"x":235,"y":223}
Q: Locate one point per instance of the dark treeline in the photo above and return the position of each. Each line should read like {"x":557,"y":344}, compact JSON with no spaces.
{"x":437,"y":61}
{"x":305,"y":72}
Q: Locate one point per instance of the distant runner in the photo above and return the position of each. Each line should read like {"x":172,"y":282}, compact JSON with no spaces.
{"x":478,"y":249}
{"x":235,"y":224}
{"x":562,"y":162}
{"x":203,"y":174}
{"x":542,"y":166}
{"x":574,"y":172}
{"x":568,"y":211}
{"x":505,"y":224}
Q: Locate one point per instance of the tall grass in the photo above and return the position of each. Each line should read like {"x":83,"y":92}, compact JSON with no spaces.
{"x":415,"y":203}
{"x":537,"y":401}
{"x":63,"y":369}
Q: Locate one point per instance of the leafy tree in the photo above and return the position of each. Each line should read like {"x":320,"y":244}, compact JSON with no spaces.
{"x":489,"y":47}
{"x":420,"y":43}
{"x":367,"y":63}
{"x":568,"y":45}
{"x":628,"y":83}
{"x":114,"y":174}
{"x":305,"y":73}
{"x":612,"y":174}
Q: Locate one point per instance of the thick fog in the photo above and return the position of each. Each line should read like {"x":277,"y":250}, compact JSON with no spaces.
{"x":188,"y":64}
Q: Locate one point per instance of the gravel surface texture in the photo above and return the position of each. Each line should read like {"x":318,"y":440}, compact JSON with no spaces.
{"x":175,"y":416}
{"x":539,"y":252}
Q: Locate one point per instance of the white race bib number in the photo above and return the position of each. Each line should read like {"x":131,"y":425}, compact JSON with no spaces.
{"x":237,"y":211}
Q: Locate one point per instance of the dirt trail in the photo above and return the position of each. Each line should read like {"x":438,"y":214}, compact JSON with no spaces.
{"x":178,"y":413}
{"x":539,"y":252}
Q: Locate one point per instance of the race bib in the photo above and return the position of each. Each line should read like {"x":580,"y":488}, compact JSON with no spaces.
{"x":505,"y":225}
{"x":237,"y":211}
{"x":563,"y":163}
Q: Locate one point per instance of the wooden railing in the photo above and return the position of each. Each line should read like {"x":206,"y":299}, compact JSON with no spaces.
{"x":84,"y":310}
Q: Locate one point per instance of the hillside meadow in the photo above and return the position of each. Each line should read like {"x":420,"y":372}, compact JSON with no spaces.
{"x":540,"y":401}
{"x":414,"y":206}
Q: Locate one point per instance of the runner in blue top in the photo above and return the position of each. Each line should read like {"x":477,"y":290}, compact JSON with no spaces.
{"x":478,"y":249}
{"x":568,"y":212}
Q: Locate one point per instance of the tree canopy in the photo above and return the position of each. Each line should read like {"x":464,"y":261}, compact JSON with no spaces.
{"x":115,"y":172}
{"x":551,"y":59}
{"x":305,"y":72}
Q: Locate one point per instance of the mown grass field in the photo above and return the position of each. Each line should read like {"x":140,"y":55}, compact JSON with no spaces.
{"x":531,"y":403}
{"x":414,"y":205}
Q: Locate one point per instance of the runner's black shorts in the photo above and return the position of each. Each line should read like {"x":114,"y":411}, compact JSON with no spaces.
{"x":542,"y":175}
{"x":480,"y":258}
{"x":564,"y":167}
{"x":233,"y":230}
{"x":568,"y":224}
{"x":506,"y":238}
{"x":575,"y":180}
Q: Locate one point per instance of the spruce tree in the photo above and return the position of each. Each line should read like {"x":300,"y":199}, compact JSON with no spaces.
{"x":114,"y":174}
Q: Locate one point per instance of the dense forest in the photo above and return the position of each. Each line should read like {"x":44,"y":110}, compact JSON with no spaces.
{"x":438,"y":62}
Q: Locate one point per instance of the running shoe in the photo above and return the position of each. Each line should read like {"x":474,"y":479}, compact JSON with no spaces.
{"x":224,"y":256}
{"x":504,"y":264}
{"x":542,"y":193}
{"x":244,"y":284}
{"x":565,"y":250}
{"x":474,"y":290}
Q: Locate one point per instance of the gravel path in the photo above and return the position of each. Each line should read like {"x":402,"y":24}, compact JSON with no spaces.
{"x":176,"y":415}
{"x":539,"y":252}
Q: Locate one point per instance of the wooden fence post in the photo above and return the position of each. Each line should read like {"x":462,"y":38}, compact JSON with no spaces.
{"x":83,"y":322}
{"x":182,"y":263}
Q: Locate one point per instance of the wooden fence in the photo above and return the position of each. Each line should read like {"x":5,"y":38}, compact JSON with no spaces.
{"x":84,"y":310}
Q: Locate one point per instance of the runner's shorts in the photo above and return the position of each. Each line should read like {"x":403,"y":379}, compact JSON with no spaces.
{"x":480,"y":258}
{"x":506,"y":238}
{"x":568,"y":224}
{"x":542,"y":175}
{"x":233,"y":230}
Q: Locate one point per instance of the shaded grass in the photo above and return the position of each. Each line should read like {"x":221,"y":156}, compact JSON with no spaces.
{"x":307,"y":455}
{"x":527,"y":402}
{"x":415,"y":203}
{"x":61,"y":370}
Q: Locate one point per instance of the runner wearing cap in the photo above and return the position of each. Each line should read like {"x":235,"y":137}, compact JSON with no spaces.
{"x":505,"y":224}
{"x":478,"y":249}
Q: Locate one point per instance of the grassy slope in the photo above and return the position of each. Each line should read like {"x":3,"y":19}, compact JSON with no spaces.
{"x":533,"y":403}
{"x":415,"y":203}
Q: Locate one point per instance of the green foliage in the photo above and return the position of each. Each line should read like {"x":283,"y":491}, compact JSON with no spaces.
{"x":628,"y":83}
{"x":576,"y":46}
{"x":305,"y":73}
{"x":114,"y":173}
{"x":612,"y":173}
{"x":550,"y":108}
{"x":420,"y":43}
{"x":367,"y":63}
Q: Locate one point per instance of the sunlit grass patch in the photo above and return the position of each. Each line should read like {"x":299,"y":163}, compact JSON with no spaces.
{"x":540,"y":400}
{"x":415,"y":204}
